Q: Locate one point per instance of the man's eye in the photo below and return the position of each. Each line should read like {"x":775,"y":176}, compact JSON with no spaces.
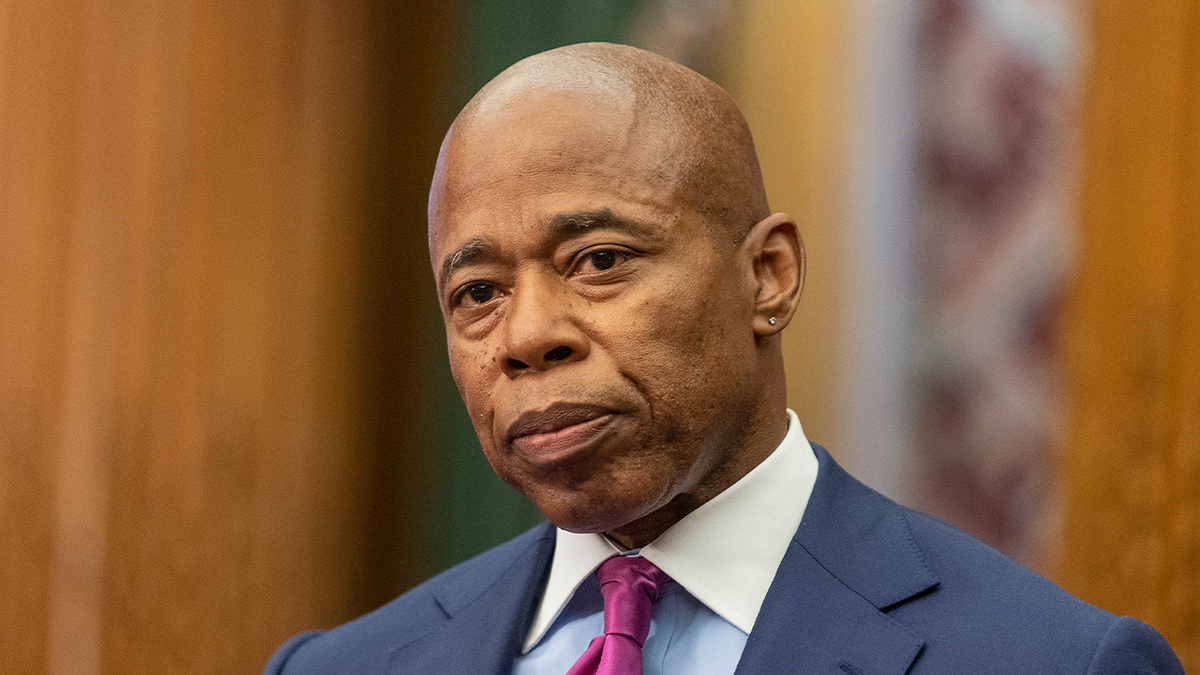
{"x":477,"y":294}
{"x":601,"y":260}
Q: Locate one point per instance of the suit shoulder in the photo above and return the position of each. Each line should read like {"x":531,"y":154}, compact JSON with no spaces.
{"x":365,"y":644}
{"x":969,"y":570}
{"x":1004,"y":612}
{"x":1130,"y":646}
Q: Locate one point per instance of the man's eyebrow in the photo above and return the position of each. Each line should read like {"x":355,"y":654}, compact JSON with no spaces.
{"x":567,"y":225}
{"x":561,"y":226}
{"x":475,"y":249}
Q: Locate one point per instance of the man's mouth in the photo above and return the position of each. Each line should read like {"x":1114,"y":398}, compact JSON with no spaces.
{"x":558,"y":431}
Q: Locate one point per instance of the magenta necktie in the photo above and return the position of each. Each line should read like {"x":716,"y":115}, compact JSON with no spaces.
{"x":630,"y":586}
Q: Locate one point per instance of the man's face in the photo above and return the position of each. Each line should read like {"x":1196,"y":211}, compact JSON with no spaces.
{"x":599,"y":332}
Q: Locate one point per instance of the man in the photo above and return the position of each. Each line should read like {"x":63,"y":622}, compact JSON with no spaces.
{"x":614,"y":287}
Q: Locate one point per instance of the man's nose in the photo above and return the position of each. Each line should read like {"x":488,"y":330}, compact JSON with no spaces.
{"x":539,"y":331}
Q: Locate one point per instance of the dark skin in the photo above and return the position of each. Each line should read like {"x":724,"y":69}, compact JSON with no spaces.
{"x":608,"y":327}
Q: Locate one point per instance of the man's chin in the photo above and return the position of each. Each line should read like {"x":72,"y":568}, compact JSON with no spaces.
{"x":630,"y":527}
{"x":589,"y":521}
{"x":580,"y":525}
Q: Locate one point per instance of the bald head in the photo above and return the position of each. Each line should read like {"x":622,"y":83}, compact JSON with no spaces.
{"x":682,"y":131}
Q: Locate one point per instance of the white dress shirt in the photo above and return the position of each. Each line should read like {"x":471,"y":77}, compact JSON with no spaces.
{"x":722,"y":558}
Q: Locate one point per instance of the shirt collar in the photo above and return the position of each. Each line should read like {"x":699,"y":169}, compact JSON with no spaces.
{"x":725,"y":552}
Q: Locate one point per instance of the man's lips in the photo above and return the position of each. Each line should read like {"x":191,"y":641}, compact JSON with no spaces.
{"x":558,"y":430}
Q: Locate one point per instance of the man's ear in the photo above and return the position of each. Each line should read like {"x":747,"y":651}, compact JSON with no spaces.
{"x":777,"y":256}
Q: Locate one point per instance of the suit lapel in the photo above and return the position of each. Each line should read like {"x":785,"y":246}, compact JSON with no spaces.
{"x":852,"y":558}
{"x":488,"y":610}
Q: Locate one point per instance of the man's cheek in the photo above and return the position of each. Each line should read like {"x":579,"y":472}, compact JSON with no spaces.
{"x":470,"y":366}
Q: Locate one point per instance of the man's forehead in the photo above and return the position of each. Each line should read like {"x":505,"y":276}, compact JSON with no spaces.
{"x":532,"y":122}
{"x":550,"y":218}
{"x":544,"y":142}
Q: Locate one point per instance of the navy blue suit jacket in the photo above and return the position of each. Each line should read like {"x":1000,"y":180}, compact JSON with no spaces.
{"x":867,"y":588}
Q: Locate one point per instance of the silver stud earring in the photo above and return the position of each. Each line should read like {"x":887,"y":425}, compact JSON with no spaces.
{"x":771,"y":321}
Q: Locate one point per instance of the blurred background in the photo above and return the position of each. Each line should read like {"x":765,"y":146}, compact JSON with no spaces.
{"x":225,"y":408}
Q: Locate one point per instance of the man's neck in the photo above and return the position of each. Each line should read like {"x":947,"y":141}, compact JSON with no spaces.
{"x":755,"y":445}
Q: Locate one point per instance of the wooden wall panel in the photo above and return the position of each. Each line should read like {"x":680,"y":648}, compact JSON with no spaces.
{"x":185,"y":433}
{"x":37,"y":41}
{"x":1131,"y":535}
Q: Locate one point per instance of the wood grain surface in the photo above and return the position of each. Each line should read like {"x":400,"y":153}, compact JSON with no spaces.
{"x":1131,"y":467}
{"x":188,"y":434}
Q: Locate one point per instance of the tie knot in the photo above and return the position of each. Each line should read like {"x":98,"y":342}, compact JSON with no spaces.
{"x":630,"y":586}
